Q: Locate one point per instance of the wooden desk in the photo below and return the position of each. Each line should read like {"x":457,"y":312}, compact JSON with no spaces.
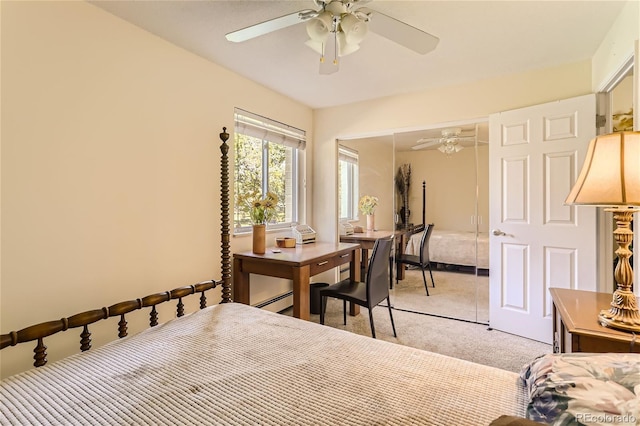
{"x":367,"y":239}
{"x":576,"y":327}
{"x":298,"y":264}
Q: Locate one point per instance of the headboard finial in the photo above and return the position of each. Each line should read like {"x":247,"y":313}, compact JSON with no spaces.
{"x":224,"y":135}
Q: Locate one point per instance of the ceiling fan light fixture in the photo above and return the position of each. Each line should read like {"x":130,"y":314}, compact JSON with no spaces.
{"x":344,"y":47}
{"x":451,"y":132}
{"x":318,"y":28}
{"x":337,"y":7}
{"x":353,"y":28}
{"x":449,"y":147}
{"x":348,"y":23}
{"x":318,"y":46}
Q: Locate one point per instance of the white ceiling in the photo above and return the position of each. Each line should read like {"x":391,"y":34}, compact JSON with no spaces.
{"x":478,"y":40}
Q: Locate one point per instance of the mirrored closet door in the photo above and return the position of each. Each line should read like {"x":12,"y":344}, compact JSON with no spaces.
{"x":448,"y":187}
{"x":414,"y":175}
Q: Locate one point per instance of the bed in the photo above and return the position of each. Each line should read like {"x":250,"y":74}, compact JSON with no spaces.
{"x":451,"y":248}
{"x":454,"y":247}
{"x":236,"y":364}
{"x":233,"y":364}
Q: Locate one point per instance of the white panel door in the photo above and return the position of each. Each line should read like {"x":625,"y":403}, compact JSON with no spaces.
{"x":537,"y":242}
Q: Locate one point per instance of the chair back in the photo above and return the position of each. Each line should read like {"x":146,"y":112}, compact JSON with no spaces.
{"x":424,"y":244}
{"x":378,"y":273}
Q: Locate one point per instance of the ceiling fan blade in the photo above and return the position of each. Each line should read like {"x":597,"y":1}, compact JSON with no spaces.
{"x":271,"y":25}
{"x":426,"y":144}
{"x":401,"y":33}
{"x":329,"y":62}
{"x":422,"y":140}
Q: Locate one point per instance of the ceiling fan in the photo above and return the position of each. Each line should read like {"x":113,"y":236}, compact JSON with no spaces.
{"x":453,"y":140}
{"x":336,"y":29}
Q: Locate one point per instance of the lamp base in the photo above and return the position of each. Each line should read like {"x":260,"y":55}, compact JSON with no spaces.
{"x":623,"y":314}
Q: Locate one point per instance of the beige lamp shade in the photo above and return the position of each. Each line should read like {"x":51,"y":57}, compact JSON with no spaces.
{"x":610,"y":175}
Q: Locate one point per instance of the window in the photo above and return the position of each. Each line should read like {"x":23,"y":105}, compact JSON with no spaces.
{"x":266,"y":159}
{"x":348,"y":183}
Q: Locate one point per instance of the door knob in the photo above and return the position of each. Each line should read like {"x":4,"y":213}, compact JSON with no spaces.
{"x":498,"y":232}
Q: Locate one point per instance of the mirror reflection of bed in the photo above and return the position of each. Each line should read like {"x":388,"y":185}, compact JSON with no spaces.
{"x":456,"y":200}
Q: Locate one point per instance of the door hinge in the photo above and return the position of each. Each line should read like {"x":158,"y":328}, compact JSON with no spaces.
{"x":601,"y":120}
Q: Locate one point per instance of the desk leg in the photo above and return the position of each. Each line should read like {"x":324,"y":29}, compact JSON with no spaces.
{"x":301,"y":292}
{"x":364,"y":262}
{"x":241,"y":286}
{"x":354,"y":272}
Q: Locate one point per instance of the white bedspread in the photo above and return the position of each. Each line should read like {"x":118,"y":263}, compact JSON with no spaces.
{"x":234,"y":364}
{"x":454,"y":247}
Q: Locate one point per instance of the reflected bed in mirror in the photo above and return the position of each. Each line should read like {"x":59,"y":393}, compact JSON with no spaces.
{"x":452,"y":249}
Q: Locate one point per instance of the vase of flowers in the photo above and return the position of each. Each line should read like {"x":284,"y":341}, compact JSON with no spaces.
{"x":259,"y":234}
{"x":262,"y":211}
{"x":367,"y":205}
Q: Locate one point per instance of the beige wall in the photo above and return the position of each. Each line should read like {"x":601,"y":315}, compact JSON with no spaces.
{"x":110,"y":164}
{"x":450,"y":187}
{"x":617,"y":47}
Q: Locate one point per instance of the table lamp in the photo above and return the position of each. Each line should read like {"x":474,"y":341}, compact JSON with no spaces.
{"x":610,"y":177}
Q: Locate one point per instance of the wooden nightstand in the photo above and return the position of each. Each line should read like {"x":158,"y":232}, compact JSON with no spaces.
{"x":576,"y":327}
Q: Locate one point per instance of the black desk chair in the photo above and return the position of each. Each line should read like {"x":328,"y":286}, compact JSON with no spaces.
{"x":369,"y":293}
{"x":422,"y":260}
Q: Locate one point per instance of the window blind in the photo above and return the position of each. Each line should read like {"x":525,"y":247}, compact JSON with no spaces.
{"x":264,"y":128}
{"x":347,"y":155}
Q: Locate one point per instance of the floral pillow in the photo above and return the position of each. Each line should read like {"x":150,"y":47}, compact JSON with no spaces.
{"x":583,"y":389}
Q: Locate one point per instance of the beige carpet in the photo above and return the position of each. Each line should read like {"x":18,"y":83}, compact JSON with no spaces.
{"x":459,"y":339}
{"x":456,"y":295}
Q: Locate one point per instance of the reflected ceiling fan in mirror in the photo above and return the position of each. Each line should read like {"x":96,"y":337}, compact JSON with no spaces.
{"x":453,"y":140}
{"x":336,"y":29}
